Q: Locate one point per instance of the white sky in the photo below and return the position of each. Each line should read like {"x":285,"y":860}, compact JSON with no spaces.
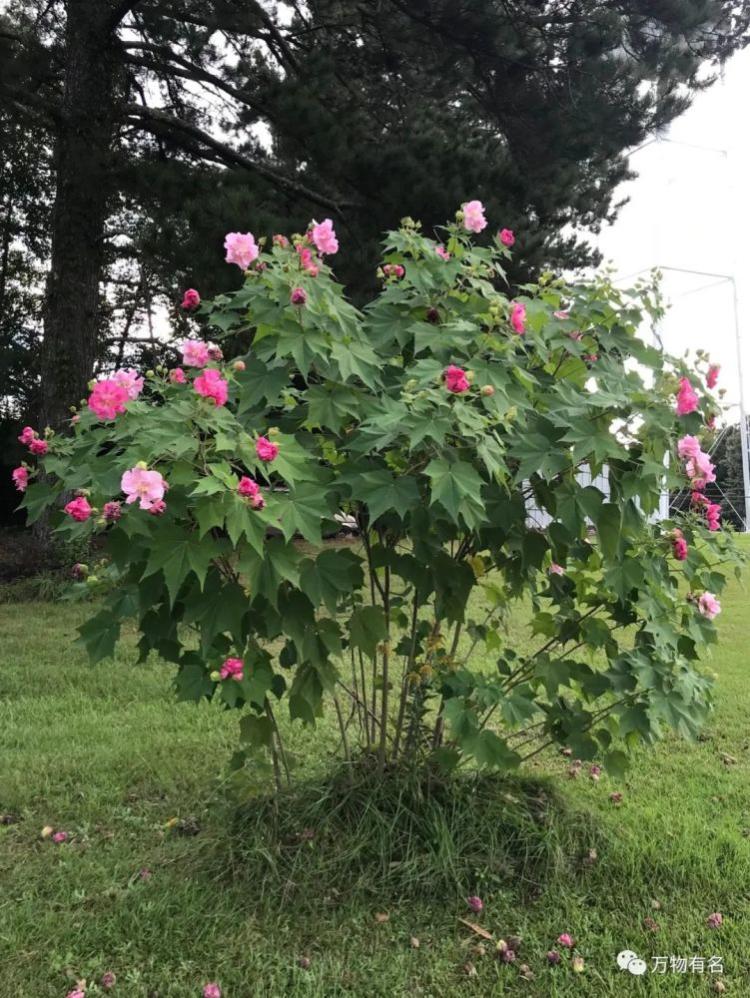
{"x":690,"y":209}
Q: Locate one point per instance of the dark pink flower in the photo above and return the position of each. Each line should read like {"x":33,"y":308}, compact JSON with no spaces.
{"x":455,"y":379}
{"x":177,"y":376}
{"x":112,"y":511}
{"x":566,"y":940}
{"x":506,"y":237}
{"x":107,"y":399}
{"x":680,"y":548}
{"x":39,"y":447}
{"x":298,"y":296}
{"x":553,"y":957}
{"x":247,"y":487}
{"x":20,"y":478}
{"x":28,"y":434}
{"x":191,"y":299}
{"x":157,"y":507}
{"x":616,"y":797}
{"x":79,"y":509}
{"x":714,"y":920}
{"x":210,"y":384}
{"x":108,"y":980}
{"x":713,"y":375}
{"x":59,"y":837}
{"x":687,"y":400}
{"x":475,"y":903}
{"x":232,"y":669}
{"x":266,"y":450}
{"x":595,"y":773}
{"x":518,"y":318}
{"x":211,"y":990}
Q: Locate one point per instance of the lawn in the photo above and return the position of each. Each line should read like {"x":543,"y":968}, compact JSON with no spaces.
{"x":342,"y":891}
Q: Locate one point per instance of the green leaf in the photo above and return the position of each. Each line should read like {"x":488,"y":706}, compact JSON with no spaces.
{"x":333,"y":575}
{"x":99,"y":635}
{"x":457,"y":487}
{"x":367,"y":629}
{"x":303,"y":511}
{"x":609,"y":526}
{"x":265,"y":573}
{"x":177,"y":554}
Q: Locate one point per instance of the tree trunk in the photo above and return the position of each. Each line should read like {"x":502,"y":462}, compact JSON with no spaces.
{"x":83,"y":146}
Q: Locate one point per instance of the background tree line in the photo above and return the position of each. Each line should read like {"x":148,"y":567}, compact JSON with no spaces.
{"x":135,"y":133}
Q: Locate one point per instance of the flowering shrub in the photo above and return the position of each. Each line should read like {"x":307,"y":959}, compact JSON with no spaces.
{"x":433,"y":418}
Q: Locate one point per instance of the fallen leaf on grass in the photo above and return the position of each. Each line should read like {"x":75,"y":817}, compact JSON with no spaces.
{"x":414,"y":942}
{"x":476,"y":928}
{"x":381,"y":917}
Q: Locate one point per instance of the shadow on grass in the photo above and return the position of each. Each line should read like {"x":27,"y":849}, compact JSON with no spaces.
{"x":402,"y":837}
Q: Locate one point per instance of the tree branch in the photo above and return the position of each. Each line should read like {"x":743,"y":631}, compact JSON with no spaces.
{"x":120,"y":11}
{"x":160,"y":123}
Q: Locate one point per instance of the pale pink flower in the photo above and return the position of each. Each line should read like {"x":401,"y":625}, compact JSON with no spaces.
{"x":241,"y":249}
{"x":556,"y":569}
{"x":393,"y":270}
{"x":688,"y":447}
{"x":680,"y":548}
{"x":158,"y":506}
{"x":474,"y":220}
{"x":566,"y":940}
{"x":687,"y":400}
{"x":79,"y":509}
{"x":714,"y":920}
{"x":266,"y":450}
{"x":561,"y":314}
{"x":112,"y":511}
{"x":508,"y":956}
{"x":518,"y":318}
{"x":107,"y":399}
{"x":210,"y":384}
{"x":709,"y":606}
{"x":507,"y":237}
{"x":442,"y":252}
{"x":324,"y":237}
{"x":77,"y":993}
{"x":214,"y":351}
{"x":298,"y":296}
{"x":21,"y":478}
{"x":191,"y":299}
{"x":39,"y":447}
{"x":247,"y":487}
{"x":194,"y":353}
{"x":700,"y":469}
{"x":713,"y":375}
{"x":59,"y":837}
{"x":456,"y":380}
{"x":212,"y":990}
{"x":143,"y":486}
{"x":576,"y":335}
{"x":232,"y":669}
{"x":279,"y":240}
{"x":591,"y":357}
{"x":177,"y":376}
{"x":28,"y":433}
{"x":128,"y":379}
{"x":475,"y":903}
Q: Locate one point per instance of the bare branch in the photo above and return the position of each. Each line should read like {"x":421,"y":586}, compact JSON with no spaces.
{"x":121,"y":10}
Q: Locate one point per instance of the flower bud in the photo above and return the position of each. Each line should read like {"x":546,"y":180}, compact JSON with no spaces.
{"x":488,"y":391}
{"x":47,"y":831}
{"x":215,"y":676}
{"x":239,"y":365}
{"x":142,"y":466}
{"x":150,"y":374}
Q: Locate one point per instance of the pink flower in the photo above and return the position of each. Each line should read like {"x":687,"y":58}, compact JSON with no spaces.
{"x":194,"y":353}
{"x":232,"y":669}
{"x":687,"y":400}
{"x":210,"y":384}
{"x":553,"y":957}
{"x":698,"y":499}
{"x":76,"y":994}
{"x":191,"y":299}
{"x":713,"y":515}
{"x":79,"y":572}
{"x":591,"y":357}
{"x":688,"y":447}
{"x":112,"y":511}
{"x":616,"y":797}
{"x":442,"y":252}
{"x":393,"y":270}
{"x":713,"y":375}
{"x":247,"y":487}
{"x":680,"y":548}
{"x":258,"y":502}
{"x":79,"y":509}
{"x":108,"y":980}
{"x":158,"y":506}
{"x":266,"y":450}
{"x":714,"y":920}
{"x":709,"y":606}
{"x":241,"y":249}
{"x":59,"y":837}
{"x":508,"y":956}
{"x":455,"y":379}
{"x":39,"y":447}
{"x":211,"y":990}
{"x":475,"y":903}
{"x":324,"y":237}
{"x":576,"y":335}
{"x":700,"y":469}
{"x":107,"y":399}
{"x":128,"y":379}
{"x":143,"y":486}
{"x":298,"y":296}
{"x":306,"y":260}
{"x":214,"y":351}
{"x":595,"y":773}
{"x":506,"y":237}
{"x":279,"y":240}
{"x":21,"y":478}
{"x":177,"y":376}
{"x":518,"y":318}
{"x":566,"y":940}
{"x":561,"y":314}
{"x":28,"y":434}
{"x":556,"y":569}
{"x":474,"y":220}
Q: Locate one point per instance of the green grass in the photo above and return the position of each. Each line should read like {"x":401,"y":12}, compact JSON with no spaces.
{"x":106,"y":754}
